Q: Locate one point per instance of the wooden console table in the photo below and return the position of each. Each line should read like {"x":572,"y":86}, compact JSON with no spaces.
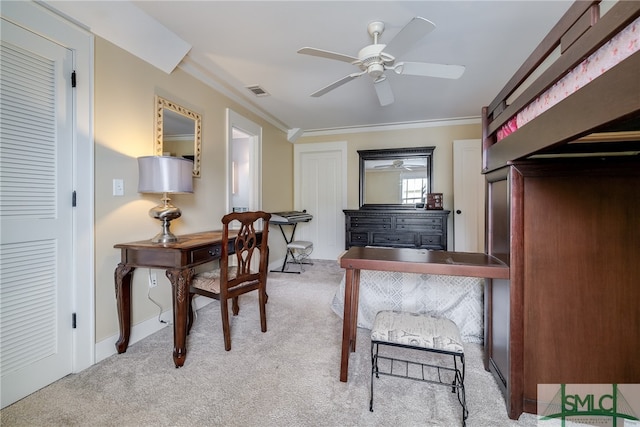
{"x":407,"y":261}
{"x":178,"y":259}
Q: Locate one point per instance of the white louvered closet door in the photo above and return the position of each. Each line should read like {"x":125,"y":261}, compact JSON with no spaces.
{"x":36,"y":182}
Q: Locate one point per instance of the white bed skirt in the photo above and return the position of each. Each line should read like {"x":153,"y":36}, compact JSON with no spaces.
{"x":457,"y":298}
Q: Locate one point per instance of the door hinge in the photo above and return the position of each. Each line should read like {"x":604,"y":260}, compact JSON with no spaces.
{"x":73,"y":78}
{"x":73,"y":320}
{"x":73,"y":199}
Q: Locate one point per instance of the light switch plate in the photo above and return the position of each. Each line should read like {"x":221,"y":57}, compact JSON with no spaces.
{"x":118,"y":187}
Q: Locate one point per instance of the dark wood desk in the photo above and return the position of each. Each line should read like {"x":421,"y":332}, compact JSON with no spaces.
{"x":178,"y":259}
{"x":407,"y":261}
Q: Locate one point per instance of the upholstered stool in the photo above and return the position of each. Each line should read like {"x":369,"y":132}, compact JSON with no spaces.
{"x":421,"y":332}
{"x":300,"y":251}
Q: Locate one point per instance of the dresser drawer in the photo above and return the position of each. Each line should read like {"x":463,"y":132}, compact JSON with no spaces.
{"x":376,"y":223}
{"x":430,"y":240}
{"x":205,"y":254}
{"x":359,"y":239}
{"x":419,"y":223}
{"x":394,"y":239}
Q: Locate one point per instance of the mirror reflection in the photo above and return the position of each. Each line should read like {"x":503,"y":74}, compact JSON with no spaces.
{"x":178,"y":132}
{"x":395,"y":178}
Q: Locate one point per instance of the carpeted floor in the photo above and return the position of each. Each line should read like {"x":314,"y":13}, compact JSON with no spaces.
{"x":288,"y":376}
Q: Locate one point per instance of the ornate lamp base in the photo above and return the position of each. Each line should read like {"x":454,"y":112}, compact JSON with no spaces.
{"x":165,"y":212}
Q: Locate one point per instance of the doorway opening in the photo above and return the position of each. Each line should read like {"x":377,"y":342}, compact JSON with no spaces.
{"x":244,"y":164}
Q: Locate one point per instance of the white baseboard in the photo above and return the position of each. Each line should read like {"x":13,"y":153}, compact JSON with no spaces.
{"x":107,"y":347}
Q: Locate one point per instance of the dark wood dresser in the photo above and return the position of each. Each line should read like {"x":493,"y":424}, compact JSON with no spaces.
{"x":400,"y":228}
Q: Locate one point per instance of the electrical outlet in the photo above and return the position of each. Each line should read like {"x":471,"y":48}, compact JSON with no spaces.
{"x":118,"y":187}
{"x":153,"y":279}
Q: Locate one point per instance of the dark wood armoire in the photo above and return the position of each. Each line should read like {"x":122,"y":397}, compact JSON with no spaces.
{"x":570,"y":231}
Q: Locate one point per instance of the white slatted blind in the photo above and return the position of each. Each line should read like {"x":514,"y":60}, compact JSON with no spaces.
{"x":27,"y":134}
{"x":28,"y":296}
{"x":28,"y":269}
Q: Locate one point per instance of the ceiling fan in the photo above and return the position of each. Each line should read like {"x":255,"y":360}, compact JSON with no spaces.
{"x":399,"y":164}
{"x":377,"y":58}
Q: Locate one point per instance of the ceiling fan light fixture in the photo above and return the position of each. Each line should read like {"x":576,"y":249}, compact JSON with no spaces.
{"x":375,"y":70}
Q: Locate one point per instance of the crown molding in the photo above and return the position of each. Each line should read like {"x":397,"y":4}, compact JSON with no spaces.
{"x":395,"y":126}
{"x":197,"y":71}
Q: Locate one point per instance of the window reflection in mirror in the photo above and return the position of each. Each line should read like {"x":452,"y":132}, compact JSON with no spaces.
{"x":395,"y":178}
{"x":178,"y":132}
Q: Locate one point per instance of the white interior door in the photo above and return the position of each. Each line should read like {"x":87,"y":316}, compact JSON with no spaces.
{"x":36,"y":185}
{"x":468,"y":196}
{"x":320,"y":188}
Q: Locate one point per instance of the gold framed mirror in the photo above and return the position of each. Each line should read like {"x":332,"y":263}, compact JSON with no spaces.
{"x":178,"y":132}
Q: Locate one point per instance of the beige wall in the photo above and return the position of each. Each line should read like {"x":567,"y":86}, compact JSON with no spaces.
{"x":125,"y":87}
{"x":441,"y":137}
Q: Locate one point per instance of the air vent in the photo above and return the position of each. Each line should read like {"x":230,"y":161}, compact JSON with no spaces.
{"x":258,"y":91}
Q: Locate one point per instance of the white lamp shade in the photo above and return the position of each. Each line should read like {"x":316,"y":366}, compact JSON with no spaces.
{"x":165,"y":174}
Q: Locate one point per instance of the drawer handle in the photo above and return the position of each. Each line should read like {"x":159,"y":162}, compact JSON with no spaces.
{"x":214,"y":252}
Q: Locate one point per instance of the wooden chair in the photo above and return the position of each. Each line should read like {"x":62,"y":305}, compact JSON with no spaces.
{"x":235,"y":276}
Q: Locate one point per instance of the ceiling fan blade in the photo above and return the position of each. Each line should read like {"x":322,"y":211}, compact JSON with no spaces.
{"x":425,"y":69}
{"x":416,"y":29}
{"x":336,"y":84}
{"x":384,"y":92}
{"x":327,"y":54}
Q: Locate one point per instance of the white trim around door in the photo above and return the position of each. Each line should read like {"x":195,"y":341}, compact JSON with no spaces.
{"x":35,"y":18}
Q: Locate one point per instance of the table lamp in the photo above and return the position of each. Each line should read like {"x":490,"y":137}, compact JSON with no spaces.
{"x":165,"y":174}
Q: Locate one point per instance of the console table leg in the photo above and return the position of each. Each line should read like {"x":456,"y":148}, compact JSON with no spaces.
{"x":180,"y":282}
{"x":355,"y":298}
{"x":122,"y":277}
{"x":349,"y":320}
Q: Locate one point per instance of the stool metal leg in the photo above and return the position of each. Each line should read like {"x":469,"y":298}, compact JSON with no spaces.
{"x":458,"y":385}
{"x":458,"y":371}
{"x":296,"y":260}
{"x":462,"y":398}
{"x":374,"y":369}
{"x":384,"y":332}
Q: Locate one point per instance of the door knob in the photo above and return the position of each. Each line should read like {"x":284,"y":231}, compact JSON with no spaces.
{"x":458,"y":211}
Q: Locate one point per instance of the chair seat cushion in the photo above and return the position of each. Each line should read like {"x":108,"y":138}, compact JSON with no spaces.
{"x":300,"y":244}
{"x":416,"y":330}
{"x":210,"y":280}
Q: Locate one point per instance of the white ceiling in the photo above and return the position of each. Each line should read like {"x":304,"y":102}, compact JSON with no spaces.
{"x":235,"y":44}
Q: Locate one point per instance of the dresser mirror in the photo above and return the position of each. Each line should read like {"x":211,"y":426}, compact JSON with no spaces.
{"x":178,"y":132}
{"x":398,"y":178}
